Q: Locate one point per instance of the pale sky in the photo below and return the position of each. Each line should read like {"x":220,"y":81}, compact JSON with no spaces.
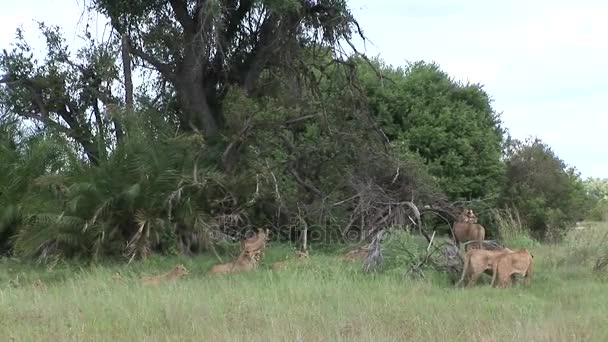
{"x":542,"y":62}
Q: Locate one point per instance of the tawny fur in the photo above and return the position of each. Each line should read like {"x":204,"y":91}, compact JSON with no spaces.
{"x":176,"y":272}
{"x":255,"y":243}
{"x":355,"y":254}
{"x":517,"y":262}
{"x":478,"y":261}
{"x":246,"y":261}
{"x":300,"y":256}
{"x":467,"y":229}
{"x":38,"y":285}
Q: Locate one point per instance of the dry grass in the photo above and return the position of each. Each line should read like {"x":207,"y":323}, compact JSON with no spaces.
{"x":323,"y":299}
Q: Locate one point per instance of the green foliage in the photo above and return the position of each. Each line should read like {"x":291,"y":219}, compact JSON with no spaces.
{"x":597,"y":191}
{"x":152,"y":184}
{"x":548,"y":195}
{"x":400,"y":249}
{"x":451,"y":125}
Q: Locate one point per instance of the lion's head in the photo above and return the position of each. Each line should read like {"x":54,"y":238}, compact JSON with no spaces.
{"x":467,"y":216}
{"x":179,"y":270}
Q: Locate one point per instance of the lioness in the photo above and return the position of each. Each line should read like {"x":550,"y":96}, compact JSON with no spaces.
{"x":467,"y":229}
{"x":300,"y":255}
{"x":517,"y":262}
{"x":478,"y":261}
{"x":255,"y":243}
{"x":355,"y":254}
{"x":175,"y":273}
{"x":38,"y":285}
{"x":246,"y":261}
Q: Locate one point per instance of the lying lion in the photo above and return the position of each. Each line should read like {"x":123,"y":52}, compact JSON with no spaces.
{"x":175,"y":273}
{"x":355,"y":254}
{"x":279,"y":265}
{"x":246,"y":261}
{"x":255,"y":243}
{"x":38,"y":285}
{"x":478,"y":261}
{"x":466,"y":229}
{"x":516,"y":262}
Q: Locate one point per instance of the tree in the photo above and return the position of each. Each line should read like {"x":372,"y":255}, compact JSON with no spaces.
{"x":548,"y":194}
{"x":597,"y":191}
{"x":63,"y":93}
{"x":202,"y":48}
{"x":451,"y":125}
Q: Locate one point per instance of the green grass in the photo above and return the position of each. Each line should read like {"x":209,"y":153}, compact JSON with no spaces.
{"x":322,"y":300}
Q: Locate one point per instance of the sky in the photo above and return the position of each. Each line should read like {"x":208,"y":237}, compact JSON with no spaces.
{"x":542,"y":62}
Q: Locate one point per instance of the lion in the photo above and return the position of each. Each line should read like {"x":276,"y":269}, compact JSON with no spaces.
{"x":478,"y":261}
{"x":38,"y":285}
{"x":517,"y":262}
{"x":355,"y":254}
{"x":255,"y":243}
{"x":176,"y":272}
{"x":466,"y":229}
{"x":246,"y":261}
{"x":300,"y":256}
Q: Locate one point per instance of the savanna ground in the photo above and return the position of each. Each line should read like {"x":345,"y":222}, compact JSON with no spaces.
{"x":324,"y":299}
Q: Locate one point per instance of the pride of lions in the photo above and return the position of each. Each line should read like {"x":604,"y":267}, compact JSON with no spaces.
{"x":501,"y":263}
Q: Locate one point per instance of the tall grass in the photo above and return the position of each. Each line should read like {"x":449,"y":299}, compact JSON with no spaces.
{"x":511,"y":230}
{"x":322,"y":299}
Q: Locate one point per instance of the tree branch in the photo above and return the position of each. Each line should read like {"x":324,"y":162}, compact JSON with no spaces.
{"x":163,"y":68}
{"x":235,"y":16}
{"x":180,"y":9}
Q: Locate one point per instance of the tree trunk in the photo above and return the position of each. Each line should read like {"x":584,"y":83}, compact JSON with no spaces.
{"x":126,"y":66}
{"x":196,"y":112}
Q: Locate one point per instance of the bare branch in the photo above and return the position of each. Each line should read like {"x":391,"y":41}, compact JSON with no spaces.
{"x":302,"y":118}
{"x":303,"y":183}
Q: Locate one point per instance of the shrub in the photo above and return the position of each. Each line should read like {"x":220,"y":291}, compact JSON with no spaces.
{"x":548,"y":195}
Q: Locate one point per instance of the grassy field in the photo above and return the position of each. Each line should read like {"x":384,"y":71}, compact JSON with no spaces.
{"x":322,"y":300}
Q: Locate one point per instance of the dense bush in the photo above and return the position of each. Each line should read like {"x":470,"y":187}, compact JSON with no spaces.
{"x":597,"y":191}
{"x":549,"y":195}
{"x":450,"y":124}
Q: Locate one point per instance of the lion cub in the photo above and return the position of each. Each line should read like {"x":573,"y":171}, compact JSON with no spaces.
{"x":246,"y":261}
{"x":516,"y":262}
{"x":478,"y":261}
{"x":175,"y":273}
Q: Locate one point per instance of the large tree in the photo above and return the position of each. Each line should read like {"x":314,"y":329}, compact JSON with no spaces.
{"x":202,"y":47}
{"x":67,"y":94}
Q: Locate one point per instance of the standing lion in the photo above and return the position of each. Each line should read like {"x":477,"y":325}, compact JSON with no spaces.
{"x":516,"y":262}
{"x":466,"y":229}
{"x":478,"y":261}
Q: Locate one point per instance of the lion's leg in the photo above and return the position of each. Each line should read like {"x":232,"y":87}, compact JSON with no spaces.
{"x":504,"y":279}
{"x":465,"y":271}
{"x":494,"y":274}
{"x":474,"y":277}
